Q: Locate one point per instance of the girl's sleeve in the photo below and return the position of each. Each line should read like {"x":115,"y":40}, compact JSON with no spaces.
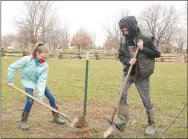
{"x":14,"y":67}
{"x":41,"y":85}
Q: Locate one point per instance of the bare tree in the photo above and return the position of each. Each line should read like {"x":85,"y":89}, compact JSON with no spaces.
{"x":7,"y":40}
{"x":181,"y":39}
{"x":110,"y":43}
{"x":113,"y":30}
{"x":81,"y":39}
{"x":23,"y":36}
{"x":38,"y":21}
{"x":93,"y":39}
{"x":60,"y":38}
{"x":64,"y":38}
{"x":160,"y":20}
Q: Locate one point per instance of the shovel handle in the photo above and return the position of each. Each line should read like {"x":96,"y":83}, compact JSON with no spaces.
{"x":114,"y":112}
{"x":124,"y":86}
{"x":42,"y":103}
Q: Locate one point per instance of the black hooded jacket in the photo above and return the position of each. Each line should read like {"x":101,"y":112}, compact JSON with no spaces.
{"x":130,"y":39}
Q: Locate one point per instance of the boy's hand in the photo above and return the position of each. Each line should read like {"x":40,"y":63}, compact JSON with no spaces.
{"x":11,"y":85}
{"x":140,"y":44}
{"x":132,"y":61}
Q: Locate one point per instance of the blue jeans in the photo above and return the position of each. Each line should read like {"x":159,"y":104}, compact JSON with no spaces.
{"x":30,"y":101}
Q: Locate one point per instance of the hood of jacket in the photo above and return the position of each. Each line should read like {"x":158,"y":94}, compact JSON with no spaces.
{"x":131,"y":23}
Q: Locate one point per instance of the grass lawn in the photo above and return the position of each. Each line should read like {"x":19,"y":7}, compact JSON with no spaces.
{"x":66,"y":81}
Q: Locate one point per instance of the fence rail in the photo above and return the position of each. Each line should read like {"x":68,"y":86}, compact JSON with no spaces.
{"x":97,"y":55}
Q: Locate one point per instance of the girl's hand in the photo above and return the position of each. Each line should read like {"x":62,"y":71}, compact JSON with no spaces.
{"x":41,"y":102}
{"x":11,"y":85}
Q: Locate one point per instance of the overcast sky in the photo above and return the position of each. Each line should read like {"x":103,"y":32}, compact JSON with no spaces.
{"x":87,"y":14}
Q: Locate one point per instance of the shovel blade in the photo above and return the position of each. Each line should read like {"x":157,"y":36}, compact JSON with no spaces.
{"x":109,"y":131}
{"x":74,"y":122}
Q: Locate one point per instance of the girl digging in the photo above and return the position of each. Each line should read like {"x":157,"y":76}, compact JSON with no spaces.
{"x":34,"y":75}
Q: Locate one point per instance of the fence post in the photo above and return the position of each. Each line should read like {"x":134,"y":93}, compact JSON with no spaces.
{"x":185,"y":58}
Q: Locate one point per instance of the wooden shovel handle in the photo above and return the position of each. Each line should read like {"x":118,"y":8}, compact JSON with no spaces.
{"x":42,"y":103}
{"x":123,"y":88}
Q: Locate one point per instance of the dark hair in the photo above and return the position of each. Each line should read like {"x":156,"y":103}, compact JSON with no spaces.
{"x":39,"y":48}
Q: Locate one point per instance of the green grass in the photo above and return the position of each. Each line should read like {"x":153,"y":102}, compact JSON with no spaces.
{"x":66,"y":81}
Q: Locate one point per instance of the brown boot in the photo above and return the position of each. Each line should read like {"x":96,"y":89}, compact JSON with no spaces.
{"x":150,"y":131}
{"x":23,"y":123}
{"x":57,"y":117}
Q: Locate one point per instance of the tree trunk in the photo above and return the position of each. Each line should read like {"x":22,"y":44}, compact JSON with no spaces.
{"x":79,"y":48}
{"x":157,"y":42}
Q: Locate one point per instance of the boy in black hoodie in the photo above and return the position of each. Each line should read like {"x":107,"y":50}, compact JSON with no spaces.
{"x":143,"y":67}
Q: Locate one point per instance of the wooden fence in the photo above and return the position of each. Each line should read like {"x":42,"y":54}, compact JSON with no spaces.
{"x":97,"y":55}
{"x":172,"y":58}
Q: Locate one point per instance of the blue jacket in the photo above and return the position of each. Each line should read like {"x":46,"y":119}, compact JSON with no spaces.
{"x":33,"y":75}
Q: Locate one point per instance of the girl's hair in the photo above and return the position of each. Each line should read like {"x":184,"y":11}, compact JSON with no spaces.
{"x":39,"y":48}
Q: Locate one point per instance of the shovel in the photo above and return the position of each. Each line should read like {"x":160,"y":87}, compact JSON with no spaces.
{"x":112,"y":127}
{"x":43,"y":104}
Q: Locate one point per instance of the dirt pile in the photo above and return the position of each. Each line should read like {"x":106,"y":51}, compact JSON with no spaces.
{"x":81,"y":122}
